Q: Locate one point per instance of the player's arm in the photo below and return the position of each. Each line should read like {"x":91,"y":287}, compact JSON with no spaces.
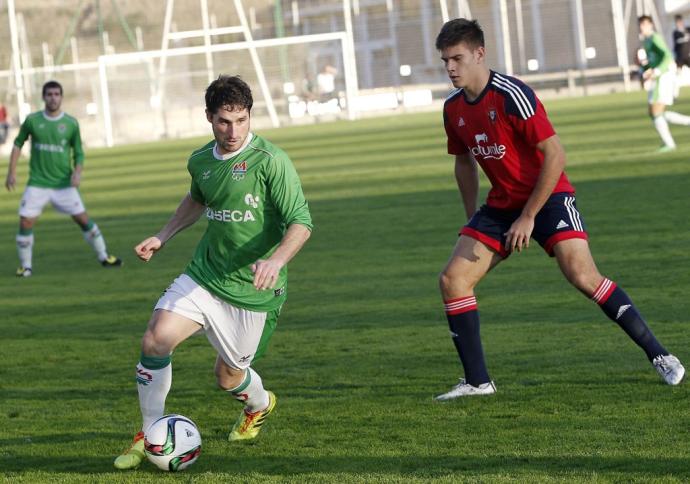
{"x":266,"y":271}
{"x":186,"y":214}
{"x":467,"y":176}
{"x":11,"y":179}
{"x":519,"y":233}
{"x":78,"y":154}
{"x":288,"y":197}
{"x":24,"y":132}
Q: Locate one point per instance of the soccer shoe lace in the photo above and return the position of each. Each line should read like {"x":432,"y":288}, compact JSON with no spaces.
{"x":24,"y":272}
{"x":132,"y":457}
{"x":249,"y":424}
{"x":111,"y":261}
{"x":670,"y":368}
{"x":464,"y":389}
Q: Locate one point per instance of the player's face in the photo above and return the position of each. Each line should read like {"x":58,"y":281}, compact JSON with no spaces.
{"x":53,"y":99}
{"x":646,"y":28}
{"x":230,"y":128}
{"x":463,"y":63}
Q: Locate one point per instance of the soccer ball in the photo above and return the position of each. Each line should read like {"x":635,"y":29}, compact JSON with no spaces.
{"x":172,"y":442}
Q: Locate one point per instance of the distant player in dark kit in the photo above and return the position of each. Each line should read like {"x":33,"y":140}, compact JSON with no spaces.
{"x":498,"y":122}
{"x":681,"y":42}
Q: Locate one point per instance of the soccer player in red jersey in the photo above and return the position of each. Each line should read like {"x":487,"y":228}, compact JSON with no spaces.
{"x":497,"y":122}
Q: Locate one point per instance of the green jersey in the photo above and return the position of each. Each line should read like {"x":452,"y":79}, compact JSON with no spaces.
{"x":53,"y":140}
{"x":251,"y":197}
{"x":658,"y":54}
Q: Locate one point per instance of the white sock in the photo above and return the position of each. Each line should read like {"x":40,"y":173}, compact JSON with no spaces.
{"x":153,"y":387}
{"x":662,"y":128}
{"x":251,"y":391}
{"x":677,"y":118}
{"x":96,"y":241}
{"x":25,"y":245}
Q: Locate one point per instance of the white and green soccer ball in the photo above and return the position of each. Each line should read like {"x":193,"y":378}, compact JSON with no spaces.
{"x":172,"y":442}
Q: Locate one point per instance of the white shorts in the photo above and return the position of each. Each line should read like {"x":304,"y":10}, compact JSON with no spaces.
{"x":65,"y":200}
{"x":234,"y":332}
{"x":662,"y":89}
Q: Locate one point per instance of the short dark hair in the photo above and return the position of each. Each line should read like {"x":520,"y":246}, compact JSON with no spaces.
{"x":460,"y":30}
{"x":678,"y":17}
{"x":51,"y":85}
{"x":228,"y":91}
{"x":645,"y":18}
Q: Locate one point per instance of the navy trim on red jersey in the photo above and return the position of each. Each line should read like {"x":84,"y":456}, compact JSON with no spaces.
{"x":452,"y":94}
{"x":520,"y":98}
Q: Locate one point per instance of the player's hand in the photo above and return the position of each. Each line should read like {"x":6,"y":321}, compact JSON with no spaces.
{"x":76,"y":179}
{"x":265,"y":273}
{"x":147,"y":248}
{"x":517,"y":237}
{"x":10,"y":181}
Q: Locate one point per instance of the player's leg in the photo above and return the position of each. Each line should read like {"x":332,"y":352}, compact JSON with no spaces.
{"x":246,"y":386}
{"x":25,"y":245}
{"x":240,"y":336}
{"x":92,"y":235}
{"x":659,"y":96}
{"x":576,"y":262}
{"x":177,"y":316}
{"x":656,"y":112}
{"x":668,"y":92}
{"x":677,"y":118}
{"x":165,"y":331}
{"x":30,"y":208}
{"x":470,"y":262}
{"x":68,"y":200}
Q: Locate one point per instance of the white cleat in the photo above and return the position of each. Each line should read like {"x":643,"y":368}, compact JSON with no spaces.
{"x":464,"y":389}
{"x":670,"y":368}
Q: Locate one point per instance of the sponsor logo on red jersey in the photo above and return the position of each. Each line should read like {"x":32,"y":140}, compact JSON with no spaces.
{"x":485,"y":150}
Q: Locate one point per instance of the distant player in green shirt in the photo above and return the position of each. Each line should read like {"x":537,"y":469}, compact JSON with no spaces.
{"x":236,"y":283}
{"x":55,"y":138}
{"x":659,"y":74}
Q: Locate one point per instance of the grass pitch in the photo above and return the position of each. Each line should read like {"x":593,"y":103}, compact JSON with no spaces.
{"x":363,"y":344}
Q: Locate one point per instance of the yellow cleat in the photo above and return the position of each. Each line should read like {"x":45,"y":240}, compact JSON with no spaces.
{"x":132,"y":457}
{"x":23,"y":272}
{"x":248,"y":424}
{"x":111,"y":261}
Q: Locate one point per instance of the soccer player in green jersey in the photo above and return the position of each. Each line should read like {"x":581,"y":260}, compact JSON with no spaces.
{"x":236,"y":283}
{"x":659,"y":74}
{"x":55,"y":138}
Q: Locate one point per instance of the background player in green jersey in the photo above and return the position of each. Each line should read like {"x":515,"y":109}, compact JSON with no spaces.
{"x":659,"y":74}
{"x":236,"y":283}
{"x":55,"y":138}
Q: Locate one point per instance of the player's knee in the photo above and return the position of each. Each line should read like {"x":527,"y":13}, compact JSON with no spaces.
{"x":26,"y":223}
{"x":152,"y":345}
{"x":228,"y":378}
{"x":585,"y":281}
{"x":453,"y":283}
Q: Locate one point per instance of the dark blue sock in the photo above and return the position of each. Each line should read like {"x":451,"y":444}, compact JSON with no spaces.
{"x":463,"y":321}
{"x":619,"y":308}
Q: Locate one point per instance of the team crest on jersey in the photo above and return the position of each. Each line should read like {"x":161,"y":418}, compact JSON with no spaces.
{"x":239,"y":170}
{"x":461,"y":121}
{"x":492,"y":115}
{"x":62,"y":127}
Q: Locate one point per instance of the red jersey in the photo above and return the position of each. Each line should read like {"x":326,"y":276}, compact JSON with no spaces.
{"x":501,"y":129}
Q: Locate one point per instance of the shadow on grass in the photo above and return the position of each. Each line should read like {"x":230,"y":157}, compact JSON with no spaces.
{"x":407,"y":466}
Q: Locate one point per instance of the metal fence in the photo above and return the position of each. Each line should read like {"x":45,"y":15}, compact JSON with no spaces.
{"x":383,"y":58}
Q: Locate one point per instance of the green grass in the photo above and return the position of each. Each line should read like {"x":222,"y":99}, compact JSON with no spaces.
{"x":363,"y":344}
